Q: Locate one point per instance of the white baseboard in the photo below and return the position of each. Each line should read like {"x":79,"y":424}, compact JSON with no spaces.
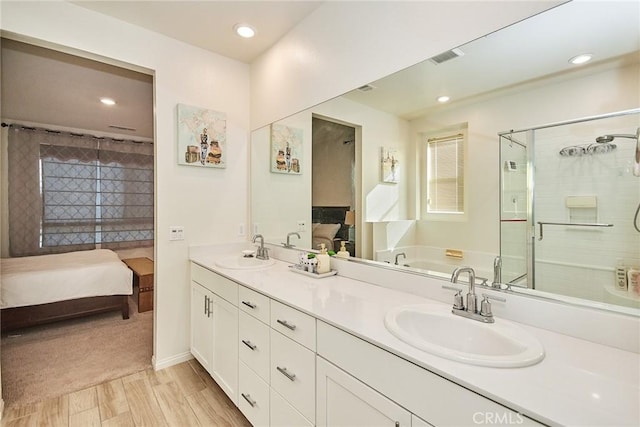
{"x":170,"y":361}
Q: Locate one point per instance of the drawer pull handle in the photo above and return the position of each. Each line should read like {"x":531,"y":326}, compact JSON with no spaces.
{"x":249,"y":344}
{"x":284,"y":372}
{"x":286,"y":324}
{"x":249,"y":400}
{"x":249,"y":304}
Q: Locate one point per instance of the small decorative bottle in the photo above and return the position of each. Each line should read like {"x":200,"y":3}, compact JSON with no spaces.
{"x":324,"y":261}
{"x":343,"y":252}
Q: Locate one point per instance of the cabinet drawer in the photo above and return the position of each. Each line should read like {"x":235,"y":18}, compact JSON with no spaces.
{"x":217,"y":284}
{"x":253,"y":345}
{"x":254,"y":303}
{"x":293,"y":374}
{"x":254,"y":397}
{"x":282,"y":414}
{"x":294,"y":324}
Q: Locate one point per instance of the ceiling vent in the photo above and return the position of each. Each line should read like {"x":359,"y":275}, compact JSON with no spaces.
{"x":446,"y":56}
{"x":366,"y":88}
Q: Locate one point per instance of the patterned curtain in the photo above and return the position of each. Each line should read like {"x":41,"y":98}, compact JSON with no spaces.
{"x":74,"y":192}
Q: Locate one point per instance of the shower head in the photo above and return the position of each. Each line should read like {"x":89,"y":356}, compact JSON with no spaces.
{"x":608,"y":138}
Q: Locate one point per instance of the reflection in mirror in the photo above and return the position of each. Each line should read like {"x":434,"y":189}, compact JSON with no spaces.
{"x":517,"y":78}
{"x":570,"y":201}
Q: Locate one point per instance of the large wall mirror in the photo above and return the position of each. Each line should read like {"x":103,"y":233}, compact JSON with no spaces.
{"x":429,"y":186}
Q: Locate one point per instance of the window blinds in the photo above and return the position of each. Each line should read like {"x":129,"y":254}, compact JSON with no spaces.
{"x":445,"y":174}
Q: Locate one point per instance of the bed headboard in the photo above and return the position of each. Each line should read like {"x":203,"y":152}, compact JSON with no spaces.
{"x":331,"y":215}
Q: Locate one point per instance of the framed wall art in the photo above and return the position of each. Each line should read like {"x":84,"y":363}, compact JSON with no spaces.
{"x":389,"y":166}
{"x":202,"y":137}
{"x":286,"y":149}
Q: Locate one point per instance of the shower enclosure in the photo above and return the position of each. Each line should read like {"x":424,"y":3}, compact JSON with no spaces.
{"x":569,"y":206}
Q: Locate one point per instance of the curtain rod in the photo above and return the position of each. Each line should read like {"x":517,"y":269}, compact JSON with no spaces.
{"x":41,"y":129}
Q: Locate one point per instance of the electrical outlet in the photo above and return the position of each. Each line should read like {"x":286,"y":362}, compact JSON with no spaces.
{"x":255,"y":228}
{"x":176,"y":232}
{"x":241,"y":229}
{"x":302,"y":225}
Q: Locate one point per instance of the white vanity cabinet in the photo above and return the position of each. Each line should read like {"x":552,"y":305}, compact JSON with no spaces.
{"x":214,"y":327}
{"x":384,"y":389}
{"x":201,"y":325}
{"x":284,"y":367}
{"x":345,"y":401}
{"x":276,"y":346}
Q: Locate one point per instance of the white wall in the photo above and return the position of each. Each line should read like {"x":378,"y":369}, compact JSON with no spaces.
{"x":343,"y":45}
{"x":210,"y":204}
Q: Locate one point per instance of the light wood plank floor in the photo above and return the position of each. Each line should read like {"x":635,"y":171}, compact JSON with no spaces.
{"x":181,"y":395}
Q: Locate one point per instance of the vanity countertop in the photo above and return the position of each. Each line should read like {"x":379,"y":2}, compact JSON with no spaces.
{"x":577,"y":383}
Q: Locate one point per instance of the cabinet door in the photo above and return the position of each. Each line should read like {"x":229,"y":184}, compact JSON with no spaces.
{"x":201,"y":325}
{"x":419,"y":422}
{"x":345,"y":401}
{"x":224,"y":364}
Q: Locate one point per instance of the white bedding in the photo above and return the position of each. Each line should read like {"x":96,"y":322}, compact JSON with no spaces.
{"x":50,"y":278}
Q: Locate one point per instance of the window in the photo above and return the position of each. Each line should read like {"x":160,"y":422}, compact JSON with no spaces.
{"x":444,"y":189}
{"x":95,"y":196}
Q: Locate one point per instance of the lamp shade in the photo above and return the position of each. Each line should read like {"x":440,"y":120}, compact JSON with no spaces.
{"x":350,"y":218}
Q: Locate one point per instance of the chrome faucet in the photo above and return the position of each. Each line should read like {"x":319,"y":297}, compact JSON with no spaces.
{"x":472,"y":299}
{"x":400,"y":254}
{"x":471,"y":311}
{"x":262,"y":252}
{"x":288,"y":244}
{"x":497,"y":272}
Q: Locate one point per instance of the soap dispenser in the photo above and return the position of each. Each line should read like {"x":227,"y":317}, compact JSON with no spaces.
{"x":343,"y":252}
{"x":324,"y":261}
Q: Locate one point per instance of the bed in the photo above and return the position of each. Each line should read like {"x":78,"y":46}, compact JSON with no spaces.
{"x":47,"y":288}
{"x":328,"y":226}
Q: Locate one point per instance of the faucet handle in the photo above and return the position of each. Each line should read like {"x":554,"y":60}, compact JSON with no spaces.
{"x":458,"y":300}
{"x":485,"y":305}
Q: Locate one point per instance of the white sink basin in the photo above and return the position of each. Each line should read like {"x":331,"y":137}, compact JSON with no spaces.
{"x":239,"y":262}
{"x":436,"y":330}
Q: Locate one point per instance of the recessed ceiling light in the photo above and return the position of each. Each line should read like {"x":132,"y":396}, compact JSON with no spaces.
{"x":581,"y":59}
{"x":244,"y":30}
{"x":107,"y":101}
{"x":442,"y":99}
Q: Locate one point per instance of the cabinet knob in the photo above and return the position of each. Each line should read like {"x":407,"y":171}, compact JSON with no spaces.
{"x":286,"y":373}
{"x":249,"y":304}
{"x":286,"y":324}
{"x":249,"y":344}
{"x":249,"y":400}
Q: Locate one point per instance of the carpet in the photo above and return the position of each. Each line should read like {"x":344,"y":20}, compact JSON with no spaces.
{"x":51,"y":360}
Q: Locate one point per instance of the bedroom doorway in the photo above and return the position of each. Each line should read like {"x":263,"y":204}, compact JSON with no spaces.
{"x":334,"y":184}
{"x":54,"y":97}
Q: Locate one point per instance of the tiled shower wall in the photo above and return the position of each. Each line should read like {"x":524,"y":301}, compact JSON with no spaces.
{"x":580,"y":261}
